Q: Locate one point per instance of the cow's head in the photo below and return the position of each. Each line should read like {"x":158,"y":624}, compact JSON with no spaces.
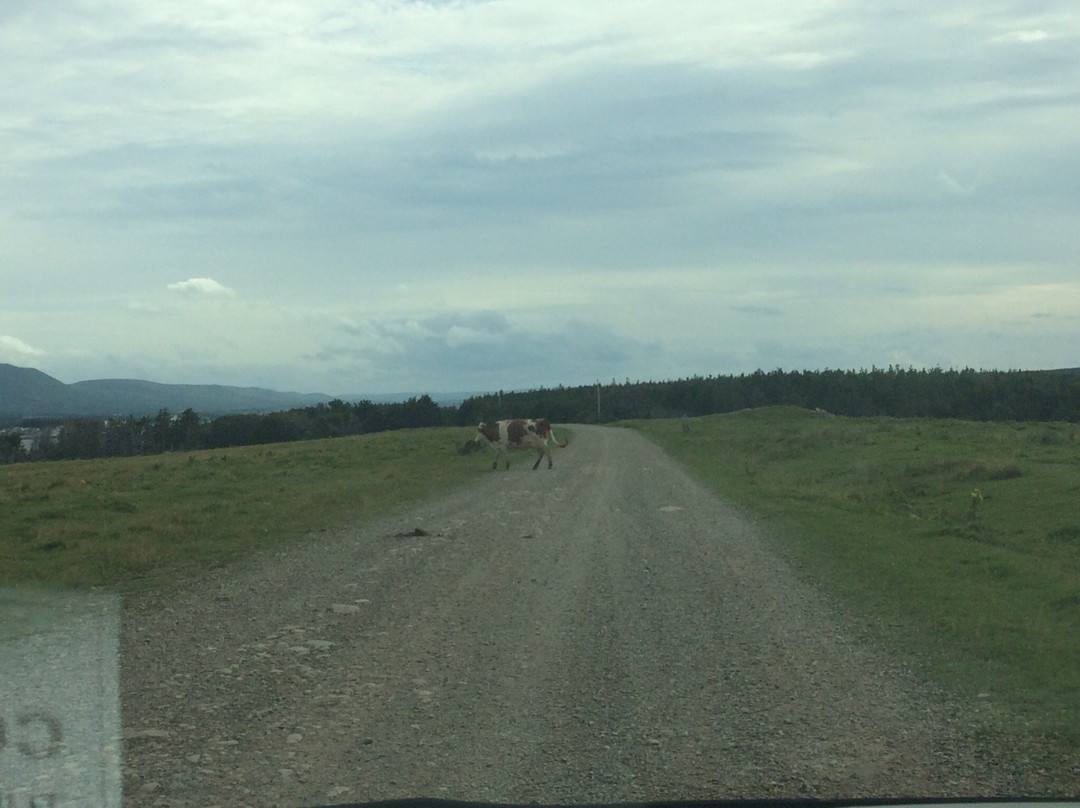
{"x":487,"y":433}
{"x":476,"y":442}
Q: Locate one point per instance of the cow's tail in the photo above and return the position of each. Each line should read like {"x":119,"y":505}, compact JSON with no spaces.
{"x":551,"y":435}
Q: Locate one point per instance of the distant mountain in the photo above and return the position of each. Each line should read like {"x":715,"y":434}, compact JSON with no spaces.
{"x":134,"y":397}
{"x":26,"y":392}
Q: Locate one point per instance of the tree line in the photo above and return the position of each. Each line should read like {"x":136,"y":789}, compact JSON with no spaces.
{"x":935,"y":393}
{"x":977,"y":395}
{"x":124,"y":436}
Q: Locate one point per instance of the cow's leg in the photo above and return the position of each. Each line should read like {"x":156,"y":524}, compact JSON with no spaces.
{"x":544,"y":452}
{"x":540,"y":457}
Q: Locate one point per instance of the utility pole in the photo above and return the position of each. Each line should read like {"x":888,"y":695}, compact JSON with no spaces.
{"x":597,"y":399}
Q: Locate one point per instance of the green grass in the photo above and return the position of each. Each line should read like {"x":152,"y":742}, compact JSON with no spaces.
{"x":960,"y":541}
{"x":121,"y":522}
{"x":879,"y":511}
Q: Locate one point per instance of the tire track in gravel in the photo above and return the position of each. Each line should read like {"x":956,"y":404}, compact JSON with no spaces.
{"x":604,"y":631}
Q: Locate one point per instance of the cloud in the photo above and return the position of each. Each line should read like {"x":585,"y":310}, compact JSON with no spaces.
{"x":13,"y":347}
{"x":479,"y":350}
{"x":522,"y":193}
{"x":1035,"y":35}
{"x":757,"y":311}
{"x":201,"y":286}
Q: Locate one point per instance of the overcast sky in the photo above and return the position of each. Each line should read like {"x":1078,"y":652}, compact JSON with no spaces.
{"x":350,"y":197}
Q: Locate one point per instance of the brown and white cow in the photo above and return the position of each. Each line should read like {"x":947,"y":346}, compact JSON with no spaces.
{"x":518,"y":433}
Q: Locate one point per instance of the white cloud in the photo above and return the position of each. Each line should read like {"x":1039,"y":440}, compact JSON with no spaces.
{"x":13,"y":347}
{"x":201,"y":286}
{"x":1036,"y":35}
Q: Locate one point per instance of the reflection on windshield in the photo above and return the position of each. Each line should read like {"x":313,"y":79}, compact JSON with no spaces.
{"x":59,"y":699}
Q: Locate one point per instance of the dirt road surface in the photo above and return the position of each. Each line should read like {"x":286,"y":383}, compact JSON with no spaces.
{"x":604,"y":631}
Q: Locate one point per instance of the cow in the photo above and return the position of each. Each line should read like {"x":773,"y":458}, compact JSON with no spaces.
{"x":518,"y":433}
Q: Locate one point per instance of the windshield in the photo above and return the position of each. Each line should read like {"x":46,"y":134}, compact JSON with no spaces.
{"x":544,"y":402}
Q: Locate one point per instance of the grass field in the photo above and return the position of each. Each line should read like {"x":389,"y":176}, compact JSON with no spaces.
{"x":122,"y":521}
{"x":960,"y":541}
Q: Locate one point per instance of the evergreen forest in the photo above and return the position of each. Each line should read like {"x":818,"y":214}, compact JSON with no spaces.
{"x":977,"y":395}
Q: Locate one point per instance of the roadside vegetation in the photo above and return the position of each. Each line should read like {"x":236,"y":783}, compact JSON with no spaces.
{"x":122,"y":522}
{"x":958,"y":541}
{"x":904,"y":393}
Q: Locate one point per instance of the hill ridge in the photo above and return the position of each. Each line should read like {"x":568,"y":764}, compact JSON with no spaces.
{"x":28,"y":392}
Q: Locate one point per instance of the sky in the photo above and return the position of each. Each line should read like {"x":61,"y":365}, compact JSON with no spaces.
{"x":377,"y":196}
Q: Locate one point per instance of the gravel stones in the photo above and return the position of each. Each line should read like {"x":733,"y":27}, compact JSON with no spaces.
{"x":608,"y":631}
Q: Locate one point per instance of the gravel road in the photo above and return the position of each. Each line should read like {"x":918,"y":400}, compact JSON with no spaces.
{"x":604,"y":631}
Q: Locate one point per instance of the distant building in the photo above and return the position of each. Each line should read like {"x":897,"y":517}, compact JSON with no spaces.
{"x":31,"y":437}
